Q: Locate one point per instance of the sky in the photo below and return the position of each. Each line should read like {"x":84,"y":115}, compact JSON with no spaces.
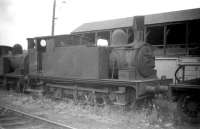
{"x":21,"y":19}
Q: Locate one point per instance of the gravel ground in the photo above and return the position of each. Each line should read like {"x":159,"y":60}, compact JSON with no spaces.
{"x":88,"y":117}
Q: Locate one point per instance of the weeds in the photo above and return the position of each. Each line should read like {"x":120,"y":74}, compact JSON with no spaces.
{"x":160,"y":114}
{"x":163,"y":113}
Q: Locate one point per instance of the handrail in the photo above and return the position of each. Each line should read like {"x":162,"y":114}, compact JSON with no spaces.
{"x":177,"y":70}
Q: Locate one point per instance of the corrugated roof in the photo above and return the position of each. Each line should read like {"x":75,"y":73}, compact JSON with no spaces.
{"x":174,"y":16}
{"x":102,"y":25}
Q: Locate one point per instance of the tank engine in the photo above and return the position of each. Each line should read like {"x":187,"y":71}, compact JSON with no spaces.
{"x":119,"y":74}
{"x":65,"y":67}
{"x":13,"y":66}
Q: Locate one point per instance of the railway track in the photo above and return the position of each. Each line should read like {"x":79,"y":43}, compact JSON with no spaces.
{"x":13,"y":119}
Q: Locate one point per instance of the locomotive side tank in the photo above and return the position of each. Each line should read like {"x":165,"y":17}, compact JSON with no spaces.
{"x":77,"y":62}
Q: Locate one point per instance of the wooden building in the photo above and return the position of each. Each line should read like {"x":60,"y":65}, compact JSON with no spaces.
{"x":174,"y":35}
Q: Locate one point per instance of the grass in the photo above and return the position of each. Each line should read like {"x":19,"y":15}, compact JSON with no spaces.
{"x":160,"y":115}
{"x":163,"y":113}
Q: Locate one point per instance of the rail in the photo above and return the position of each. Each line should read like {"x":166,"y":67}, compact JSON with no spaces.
{"x":31,"y":117}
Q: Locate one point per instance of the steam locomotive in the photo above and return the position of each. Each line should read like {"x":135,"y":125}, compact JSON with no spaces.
{"x":72,"y":66}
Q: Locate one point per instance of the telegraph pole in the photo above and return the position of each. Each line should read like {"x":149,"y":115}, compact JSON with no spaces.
{"x":53,"y":18}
